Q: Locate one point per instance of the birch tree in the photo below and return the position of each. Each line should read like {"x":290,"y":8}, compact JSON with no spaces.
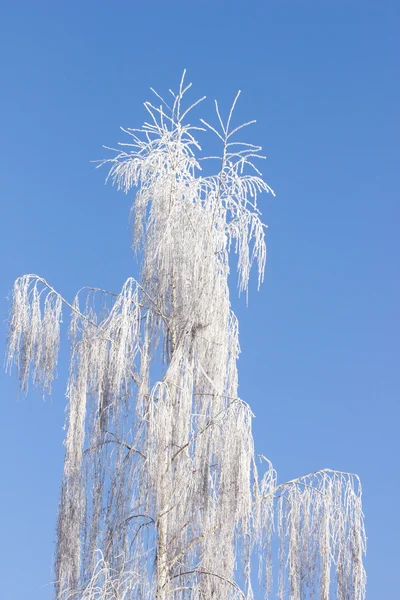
{"x":162,"y":494}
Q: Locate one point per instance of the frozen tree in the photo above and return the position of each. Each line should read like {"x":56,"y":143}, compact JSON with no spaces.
{"x":161,"y":494}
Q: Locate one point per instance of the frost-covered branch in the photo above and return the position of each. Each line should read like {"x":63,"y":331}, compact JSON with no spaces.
{"x":320,"y":525}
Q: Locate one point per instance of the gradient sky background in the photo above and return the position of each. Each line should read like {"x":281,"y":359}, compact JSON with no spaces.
{"x":320,"y":341}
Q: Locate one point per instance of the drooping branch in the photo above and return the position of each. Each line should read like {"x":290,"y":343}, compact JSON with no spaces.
{"x":320,"y":524}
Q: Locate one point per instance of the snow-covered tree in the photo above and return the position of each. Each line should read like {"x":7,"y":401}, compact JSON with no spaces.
{"x":161,"y":494}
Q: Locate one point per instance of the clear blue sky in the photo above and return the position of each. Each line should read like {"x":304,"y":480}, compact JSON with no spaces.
{"x":320,"y":341}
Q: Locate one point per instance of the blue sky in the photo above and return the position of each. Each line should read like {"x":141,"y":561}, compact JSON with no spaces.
{"x":320,"y":340}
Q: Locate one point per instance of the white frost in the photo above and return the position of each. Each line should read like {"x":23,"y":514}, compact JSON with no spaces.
{"x":161,"y":496}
